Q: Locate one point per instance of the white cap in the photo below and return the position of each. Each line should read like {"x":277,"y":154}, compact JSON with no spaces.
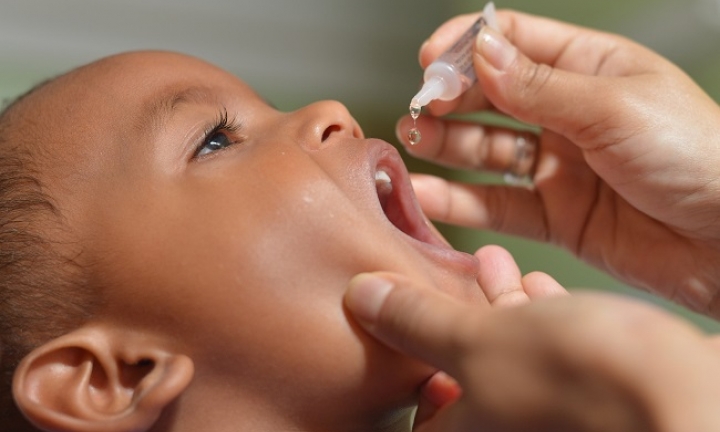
{"x":431,"y":89}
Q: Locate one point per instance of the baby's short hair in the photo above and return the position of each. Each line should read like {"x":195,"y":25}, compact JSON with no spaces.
{"x":42,"y":294}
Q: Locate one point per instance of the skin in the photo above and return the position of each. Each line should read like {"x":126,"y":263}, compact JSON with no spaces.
{"x":238,"y":259}
{"x":621,"y":166}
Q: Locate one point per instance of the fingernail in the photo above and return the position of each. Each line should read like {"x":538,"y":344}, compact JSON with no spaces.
{"x":495,"y":48}
{"x":366,"y":295}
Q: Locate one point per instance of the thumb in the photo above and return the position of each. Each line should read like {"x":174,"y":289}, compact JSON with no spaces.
{"x":419,"y":321}
{"x":539,"y":93}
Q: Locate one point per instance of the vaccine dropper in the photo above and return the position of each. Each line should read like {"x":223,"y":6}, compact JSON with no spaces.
{"x":452,"y":73}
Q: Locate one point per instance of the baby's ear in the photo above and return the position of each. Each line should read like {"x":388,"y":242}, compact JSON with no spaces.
{"x":99,"y":379}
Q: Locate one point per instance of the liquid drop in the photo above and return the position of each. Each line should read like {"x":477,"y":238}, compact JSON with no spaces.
{"x":414,"y":136}
{"x":414,"y":112}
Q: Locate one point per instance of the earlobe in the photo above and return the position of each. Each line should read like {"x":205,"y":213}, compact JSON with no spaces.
{"x":99,"y":380}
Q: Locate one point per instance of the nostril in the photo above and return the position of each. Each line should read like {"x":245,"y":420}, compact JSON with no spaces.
{"x":329,"y":131}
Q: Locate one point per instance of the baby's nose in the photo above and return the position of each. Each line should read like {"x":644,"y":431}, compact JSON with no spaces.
{"x":324,"y":120}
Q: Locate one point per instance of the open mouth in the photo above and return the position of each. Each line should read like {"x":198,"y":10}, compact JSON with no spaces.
{"x":400,"y":206}
{"x":390,"y":202}
{"x":401,"y":209}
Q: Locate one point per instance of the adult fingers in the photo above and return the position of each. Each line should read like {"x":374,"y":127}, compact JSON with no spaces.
{"x":439,"y":391}
{"x":468,"y":145}
{"x":503,"y":284}
{"x":538,"y":93}
{"x":500,"y":277}
{"x":421,"y":322}
{"x":544,"y":40}
{"x":511,"y":210}
{"x":549,"y":97}
{"x":560,"y":45}
{"x":574,"y":48}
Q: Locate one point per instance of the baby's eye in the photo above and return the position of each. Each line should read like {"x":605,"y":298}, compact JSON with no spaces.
{"x":216,"y":141}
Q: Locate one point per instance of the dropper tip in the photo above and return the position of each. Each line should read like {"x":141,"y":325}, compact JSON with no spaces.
{"x":431,"y":89}
{"x":415,"y":108}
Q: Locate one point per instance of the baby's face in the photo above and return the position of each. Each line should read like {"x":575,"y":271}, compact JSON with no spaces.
{"x":210,"y":216}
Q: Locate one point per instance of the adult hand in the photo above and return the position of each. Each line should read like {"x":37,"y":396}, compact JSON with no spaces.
{"x":587,"y":362}
{"x":503,"y":285}
{"x":627,"y":172}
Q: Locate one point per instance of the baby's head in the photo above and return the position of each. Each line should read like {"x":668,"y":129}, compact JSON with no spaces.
{"x":174,"y":253}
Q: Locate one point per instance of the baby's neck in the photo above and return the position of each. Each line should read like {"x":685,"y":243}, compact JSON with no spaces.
{"x":177,"y":419}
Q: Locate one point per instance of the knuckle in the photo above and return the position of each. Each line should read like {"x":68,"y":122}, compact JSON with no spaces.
{"x":532,"y":80}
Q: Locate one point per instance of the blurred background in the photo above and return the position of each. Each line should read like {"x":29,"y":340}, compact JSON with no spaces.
{"x":363,"y":53}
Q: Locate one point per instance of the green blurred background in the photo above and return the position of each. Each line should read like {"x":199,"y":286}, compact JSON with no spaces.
{"x":362,"y":52}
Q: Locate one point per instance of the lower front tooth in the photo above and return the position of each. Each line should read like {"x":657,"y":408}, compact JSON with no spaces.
{"x":382,"y":177}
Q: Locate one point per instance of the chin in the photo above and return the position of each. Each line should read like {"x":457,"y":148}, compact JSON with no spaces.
{"x":392,"y":379}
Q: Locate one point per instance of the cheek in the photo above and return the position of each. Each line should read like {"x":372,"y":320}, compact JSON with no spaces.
{"x":250,"y":276}
{"x":276,"y":316}
{"x":301,"y":352}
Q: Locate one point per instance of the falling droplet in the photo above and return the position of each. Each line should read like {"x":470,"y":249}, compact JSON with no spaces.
{"x":414,"y":136}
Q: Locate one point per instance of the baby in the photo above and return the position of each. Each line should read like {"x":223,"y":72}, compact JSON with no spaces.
{"x":174,"y":253}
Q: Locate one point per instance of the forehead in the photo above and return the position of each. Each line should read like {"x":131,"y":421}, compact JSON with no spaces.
{"x":144,"y":83}
{"x":124,"y":87}
{"x":119,"y":95}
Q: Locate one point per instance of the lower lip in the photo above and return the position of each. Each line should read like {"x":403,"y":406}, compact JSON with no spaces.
{"x":463,"y":267}
{"x":451,"y":259}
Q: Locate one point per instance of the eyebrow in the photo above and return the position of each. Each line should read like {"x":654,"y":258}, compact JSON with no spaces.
{"x":161,"y":107}
{"x":156,"y":112}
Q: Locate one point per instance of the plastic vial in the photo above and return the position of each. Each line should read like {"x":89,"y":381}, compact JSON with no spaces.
{"x":452,"y":73}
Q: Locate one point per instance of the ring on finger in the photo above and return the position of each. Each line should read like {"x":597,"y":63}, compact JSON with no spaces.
{"x":522,"y":166}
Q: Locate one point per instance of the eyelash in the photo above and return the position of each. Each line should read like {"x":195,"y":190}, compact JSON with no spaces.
{"x":221,"y":124}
